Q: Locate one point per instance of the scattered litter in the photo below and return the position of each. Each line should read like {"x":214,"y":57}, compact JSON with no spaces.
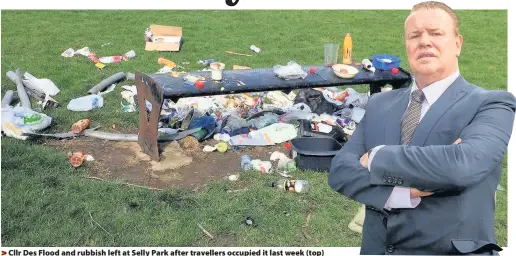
{"x":206,"y":62}
{"x":77,"y":159}
{"x":284,"y":163}
{"x":80,"y":125}
{"x":100,"y":66}
{"x":291,"y":71}
{"x":238,"y":67}
{"x":129,"y":55}
{"x":89,"y":158}
{"x":7,"y":99}
{"x":255,"y":49}
{"x":249,"y":221}
{"x":262,"y":166}
{"x":236,"y":53}
{"x":222,"y":137}
{"x":163,"y":38}
{"x":366,"y":64}
{"x":246,"y":163}
{"x":216,"y":70}
{"x":298,"y":186}
{"x":499,"y":187}
{"x":166,"y":63}
{"x":285,"y":175}
{"x":209,"y":148}
{"x":68,"y":53}
{"x":110,"y":59}
{"x":108,"y":90}
{"x":86,"y":103}
{"x":118,"y":77}
{"x":18,"y":120}
{"x":233,"y":177}
{"x":222,"y":147}
{"x":205,"y":231}
{"x":45,"y":85}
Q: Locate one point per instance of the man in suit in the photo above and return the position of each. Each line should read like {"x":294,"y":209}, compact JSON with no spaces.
{"x":426,"y":160}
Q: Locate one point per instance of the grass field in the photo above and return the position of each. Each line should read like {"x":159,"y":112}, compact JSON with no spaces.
{"x":45,"y":202}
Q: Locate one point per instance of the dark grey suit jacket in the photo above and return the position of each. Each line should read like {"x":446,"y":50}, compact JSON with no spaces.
{"x":459,"y":217}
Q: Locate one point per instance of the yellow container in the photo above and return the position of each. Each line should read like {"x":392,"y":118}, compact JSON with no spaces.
{"x":347,"y":50}
{"x":166,"y":62}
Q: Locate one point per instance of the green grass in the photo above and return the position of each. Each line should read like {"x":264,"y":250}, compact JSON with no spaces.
{"x":45,"y":202}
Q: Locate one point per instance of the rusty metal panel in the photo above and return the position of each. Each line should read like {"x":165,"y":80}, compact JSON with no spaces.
{"x":150,"y":92}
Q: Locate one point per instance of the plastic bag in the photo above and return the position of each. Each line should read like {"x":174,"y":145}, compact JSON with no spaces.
{"x":19,"y":120}
{"x":316,"y":101}
{"x":291,"y":71}
{"x":356,"y":99}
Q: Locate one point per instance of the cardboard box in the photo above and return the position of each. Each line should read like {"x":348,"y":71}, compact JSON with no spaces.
{"x":163,"y":38}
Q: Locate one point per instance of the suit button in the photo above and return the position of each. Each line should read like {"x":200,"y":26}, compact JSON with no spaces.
{"x":390,"y":248}
{"x":389,"y":180}
{"x":400,"y":182}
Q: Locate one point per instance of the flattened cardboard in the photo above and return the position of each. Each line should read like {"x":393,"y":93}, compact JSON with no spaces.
{"x":173,"y":36}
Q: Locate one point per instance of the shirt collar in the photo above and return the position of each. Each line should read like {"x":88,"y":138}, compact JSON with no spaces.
{"x":433,"y":91}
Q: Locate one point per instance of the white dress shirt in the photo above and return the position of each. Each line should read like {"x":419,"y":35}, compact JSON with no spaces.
{"x":400,"y":196}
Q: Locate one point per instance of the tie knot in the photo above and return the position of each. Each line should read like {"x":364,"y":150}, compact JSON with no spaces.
{"x":418,"y":96}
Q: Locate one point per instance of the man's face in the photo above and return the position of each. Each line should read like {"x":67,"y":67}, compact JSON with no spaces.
{"x":430,"y":41}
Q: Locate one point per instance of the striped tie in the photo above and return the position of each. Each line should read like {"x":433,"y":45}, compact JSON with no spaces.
{"x":412,"y":116}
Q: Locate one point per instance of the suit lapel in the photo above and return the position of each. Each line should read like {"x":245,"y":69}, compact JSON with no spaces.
{"x":453,"y":94}
{"x":393,"y":115}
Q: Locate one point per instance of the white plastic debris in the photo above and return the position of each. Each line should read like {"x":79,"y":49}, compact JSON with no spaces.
{"x":209,"y":148}
{"x":45,"y":85}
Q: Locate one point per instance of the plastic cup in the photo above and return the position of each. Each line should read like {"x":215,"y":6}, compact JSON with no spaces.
{"x":331,"y":54}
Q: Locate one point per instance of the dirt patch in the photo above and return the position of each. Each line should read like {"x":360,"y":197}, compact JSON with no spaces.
{"x":186,"y":168}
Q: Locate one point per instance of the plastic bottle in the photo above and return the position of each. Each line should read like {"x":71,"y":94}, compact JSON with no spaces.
{"x":166,"y":62}
{"x":347,"y":49}
{"x":298,"y":186}
{"x":80,"y":125}
{"x":86,"y":103}
{"x":245,"y":163}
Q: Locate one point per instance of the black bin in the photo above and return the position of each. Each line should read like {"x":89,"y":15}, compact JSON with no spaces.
{"x":305,"y":130}
{"x":315,"y":153}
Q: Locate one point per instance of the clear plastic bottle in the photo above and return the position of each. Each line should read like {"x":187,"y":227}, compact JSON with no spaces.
{"x":298,"y":186}
{"x":86,"y":103}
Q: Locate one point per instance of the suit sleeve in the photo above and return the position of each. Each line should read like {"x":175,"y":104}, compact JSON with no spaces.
{"x":452,"y":167}
{"x":349,"y":178}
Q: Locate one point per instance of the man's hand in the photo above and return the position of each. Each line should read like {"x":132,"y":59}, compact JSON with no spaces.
{"x":414,"y":192}
{"x":364,"y":160}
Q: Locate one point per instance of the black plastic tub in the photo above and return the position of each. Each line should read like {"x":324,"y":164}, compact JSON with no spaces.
{"x":315,"y":153}
{"x":305,"y":130}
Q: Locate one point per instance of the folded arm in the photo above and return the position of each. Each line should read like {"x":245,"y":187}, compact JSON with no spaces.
{"x":349,"y":178}
{"x":457,"y":166}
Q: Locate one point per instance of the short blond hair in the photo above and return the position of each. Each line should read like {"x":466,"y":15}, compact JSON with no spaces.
{"x":439,"y":5}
